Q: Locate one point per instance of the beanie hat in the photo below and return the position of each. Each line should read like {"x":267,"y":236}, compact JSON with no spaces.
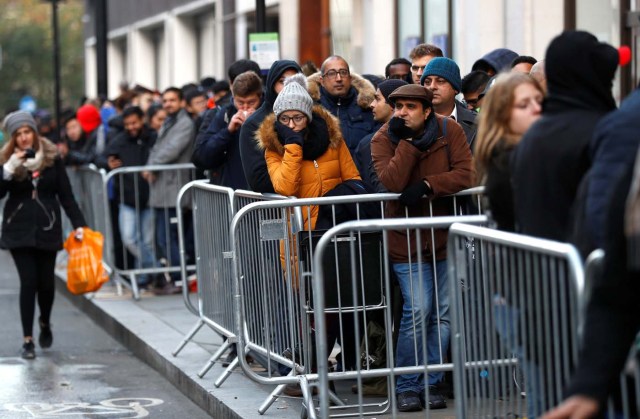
{"x":89,"y":118}
{"x":388,"y":86}
{"x":16,"y":120}
{"x":294,"y":96}
{"x":445,"y":68}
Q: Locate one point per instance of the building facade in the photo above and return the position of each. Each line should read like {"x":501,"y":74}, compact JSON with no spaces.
{"x":158,"y":43}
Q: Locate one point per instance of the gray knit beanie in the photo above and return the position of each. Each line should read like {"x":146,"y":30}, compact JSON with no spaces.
{"x":16,"y":120}
{"x":294,"y":96}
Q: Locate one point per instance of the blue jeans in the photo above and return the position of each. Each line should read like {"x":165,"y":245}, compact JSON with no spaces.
{"x":167,"y":238}
{"x":418,"y":311}
{"x":507,"y":319}
{"x":136,"y":230}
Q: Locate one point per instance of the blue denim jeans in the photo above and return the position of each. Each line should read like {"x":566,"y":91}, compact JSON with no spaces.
{"x":418,"y":286}
{"x":167,"y":238}
{"x":136,"y":230}
{"x":507,"y":319}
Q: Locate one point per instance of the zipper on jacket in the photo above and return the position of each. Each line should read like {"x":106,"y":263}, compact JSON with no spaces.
{"x":14,"y":213}
{"x":315,"y":164}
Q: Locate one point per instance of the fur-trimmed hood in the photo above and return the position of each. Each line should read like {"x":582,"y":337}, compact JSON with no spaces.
{"x":50,"y":152}
{"x":267,"y":138}
{"x":366,"y":91}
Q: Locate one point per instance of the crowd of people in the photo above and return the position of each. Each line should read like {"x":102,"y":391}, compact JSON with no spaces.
{"x":543,"y":137}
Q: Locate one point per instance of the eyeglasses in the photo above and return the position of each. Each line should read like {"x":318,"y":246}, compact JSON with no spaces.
{"x":332,"y":74}
{"x":297,"y":120}
{"x":418,"y":68}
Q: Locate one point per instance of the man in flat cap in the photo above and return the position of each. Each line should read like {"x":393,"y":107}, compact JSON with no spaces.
{"x":422,"y":156}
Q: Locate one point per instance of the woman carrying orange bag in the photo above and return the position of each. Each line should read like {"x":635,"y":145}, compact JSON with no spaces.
{"x":35,"y":179}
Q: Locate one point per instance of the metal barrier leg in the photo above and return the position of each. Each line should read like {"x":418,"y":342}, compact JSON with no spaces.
{"x":227,"y":372}
{"x":195,"y":329}
{"x":214,"y":358}
{"x":272,"y":398}
{"x":307,"y":399}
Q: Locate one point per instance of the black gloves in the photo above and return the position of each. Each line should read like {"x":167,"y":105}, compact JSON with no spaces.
{"x":413,"y":193}
{"x":399,"y":128}
{"x":288,"y":135}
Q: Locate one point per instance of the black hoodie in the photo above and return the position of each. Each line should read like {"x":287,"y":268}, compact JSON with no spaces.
{"x":253,"y":162}
{"x":549,"y":162}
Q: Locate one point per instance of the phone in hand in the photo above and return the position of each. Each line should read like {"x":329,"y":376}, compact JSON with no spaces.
{"x":29,"y":153}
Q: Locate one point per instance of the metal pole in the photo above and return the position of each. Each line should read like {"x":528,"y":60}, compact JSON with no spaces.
{"x":56,"y":64}
{"x":100,"y":16}
{"x":261,"y":19}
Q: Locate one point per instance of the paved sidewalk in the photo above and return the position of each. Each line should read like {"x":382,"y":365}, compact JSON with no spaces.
{"x":152,"y":327}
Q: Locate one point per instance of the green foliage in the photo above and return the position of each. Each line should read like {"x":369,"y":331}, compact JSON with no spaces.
{"x":26,"y":38}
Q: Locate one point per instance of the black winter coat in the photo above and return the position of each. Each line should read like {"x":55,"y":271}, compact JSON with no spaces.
{"x":32,"y":218}
{"x":218,"y":150}
{"x":498,"y":190}
{"x":551,"y":159}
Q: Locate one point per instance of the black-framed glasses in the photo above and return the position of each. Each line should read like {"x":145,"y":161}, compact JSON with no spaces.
{"x":332,"y":74}
{"x":297,"y":119}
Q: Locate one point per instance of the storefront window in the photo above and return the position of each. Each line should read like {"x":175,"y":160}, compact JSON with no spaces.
{"x":436,"y":17}
{"x":409,"y":26}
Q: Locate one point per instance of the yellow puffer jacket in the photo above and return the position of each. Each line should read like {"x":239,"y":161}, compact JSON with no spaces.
{"x":291,"y":175}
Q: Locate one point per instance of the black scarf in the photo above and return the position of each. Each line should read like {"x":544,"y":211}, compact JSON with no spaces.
{"x":398,"y":131}
{"x":316,"y":139}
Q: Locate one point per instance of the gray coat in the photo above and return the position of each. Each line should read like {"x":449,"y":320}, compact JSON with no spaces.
{"x":174,"y":145}
{"x":467,"y":120}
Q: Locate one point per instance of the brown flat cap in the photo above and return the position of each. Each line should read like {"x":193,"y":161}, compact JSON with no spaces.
{"x":412,"y":91}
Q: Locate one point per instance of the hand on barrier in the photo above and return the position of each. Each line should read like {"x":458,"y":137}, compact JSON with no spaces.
{"x":413,"y":193}
{"x":288,"y":135}
{"x":14,"y":162}
{"x":148,"y":176}
{"x":576,"y":407}
{"x":79,"y":234}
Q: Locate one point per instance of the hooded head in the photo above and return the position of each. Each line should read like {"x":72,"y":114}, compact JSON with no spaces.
{"x":275,"y":73}
{"x":89,"y":118}
{"x":580,"y":67}
{"x":495,"y":61}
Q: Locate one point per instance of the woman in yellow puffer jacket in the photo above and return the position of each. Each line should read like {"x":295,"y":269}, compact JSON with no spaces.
{"x":304,"y":149}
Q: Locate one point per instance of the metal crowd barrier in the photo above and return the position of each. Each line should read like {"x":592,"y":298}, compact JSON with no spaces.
{"x":516,"y":304}
{"x":356,"y":296}
{"x":213,"y":210}
{"x":273,"y":250}
{"x":143,"y":247}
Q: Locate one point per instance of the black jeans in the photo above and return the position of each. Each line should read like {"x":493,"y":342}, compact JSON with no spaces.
{"x":36,"y":271}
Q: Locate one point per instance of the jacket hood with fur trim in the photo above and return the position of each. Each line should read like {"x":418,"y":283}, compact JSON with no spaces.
{"x":267,"y":138}
{"x":366,"y":91}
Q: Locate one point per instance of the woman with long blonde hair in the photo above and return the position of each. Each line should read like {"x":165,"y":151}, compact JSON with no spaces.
{"x":512,"y":105}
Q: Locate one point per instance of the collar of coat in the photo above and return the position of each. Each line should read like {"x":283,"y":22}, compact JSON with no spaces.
{"x":267,"y":137}
{"x":50,"y":152}
{"x":366,"y":91}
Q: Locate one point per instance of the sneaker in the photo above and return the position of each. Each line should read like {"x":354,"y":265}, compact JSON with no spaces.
{"x":436,"y":399}
{"x":409,"y":401}
{"x":29,"y":350}
{"x":46,"y":337}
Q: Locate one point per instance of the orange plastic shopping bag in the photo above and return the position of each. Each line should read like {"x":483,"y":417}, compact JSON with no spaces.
{"x":85,"y":272}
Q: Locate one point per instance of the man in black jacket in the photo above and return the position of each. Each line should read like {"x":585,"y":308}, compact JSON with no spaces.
{"x":253,"y":162}
{"x":551,"y":159}
{"x":131,"y":148}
